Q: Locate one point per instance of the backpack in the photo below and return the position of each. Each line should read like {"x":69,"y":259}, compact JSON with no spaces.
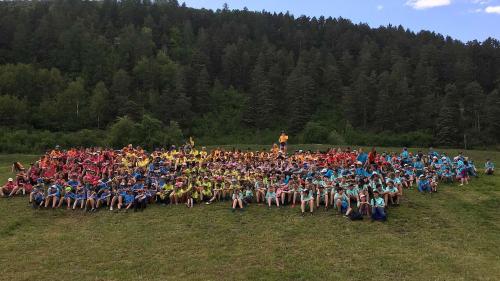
{"x":355,"y":216}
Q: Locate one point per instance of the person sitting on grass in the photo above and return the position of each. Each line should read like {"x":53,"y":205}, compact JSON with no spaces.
{"x":104,"y":198}
{"x":38,"y":198}
{"x":447,"y":176}
{"x":80,"y":197}
{"x":118,"y":195}
{"x":363,"y":204}
{"x":353,"y":193}
{"x":128,"y":200}
{"x":22,"y":185}
{"x":91,"y":199}
{"x":271,"y":197}
{"x":423,"y":184}
{"x":489,"y":167}
{"x":9,"y":188}
{"x":248,"y":195}
{"x":39,"y":186}
{"x":378,"y":207}
{"x":307,"y":198}
{"x":140,"y":200}
{"x":217,"y":190}
{"x":321,"y":196}
{"x":237,"y":199}
{"x":391,"y":193}
{"x":342,"y":202}
{"x":69,"y":195}
{"x":53,"y":196}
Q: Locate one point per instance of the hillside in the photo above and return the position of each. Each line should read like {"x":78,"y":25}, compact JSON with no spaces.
{"x":231,"y":76}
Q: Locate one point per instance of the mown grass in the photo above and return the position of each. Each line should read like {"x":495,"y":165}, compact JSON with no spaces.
{"x":451,"y":235}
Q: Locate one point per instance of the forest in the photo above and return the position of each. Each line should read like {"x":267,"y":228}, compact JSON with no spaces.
{"x":156,"y":72}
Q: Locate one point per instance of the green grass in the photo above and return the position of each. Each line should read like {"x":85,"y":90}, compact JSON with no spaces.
{"x":451,"y":235}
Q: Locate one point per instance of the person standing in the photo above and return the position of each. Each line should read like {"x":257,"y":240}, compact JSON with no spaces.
{"x":283,"y":139}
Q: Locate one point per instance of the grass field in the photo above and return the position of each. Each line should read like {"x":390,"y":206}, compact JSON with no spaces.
{"x":451,"y":235}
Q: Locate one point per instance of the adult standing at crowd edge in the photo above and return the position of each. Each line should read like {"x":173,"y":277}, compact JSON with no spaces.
{"x":283,"y":139}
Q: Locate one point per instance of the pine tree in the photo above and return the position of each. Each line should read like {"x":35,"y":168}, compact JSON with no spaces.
{"x":98,"y":104}
{"x":447,"y":123}
{"x":299,"y":87}
{"x":492,"y":116}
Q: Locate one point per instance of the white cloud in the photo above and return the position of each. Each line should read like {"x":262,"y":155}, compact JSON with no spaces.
{"x":492,"y":10}
{"x":380,"y":8}
{"x":426,"y":4}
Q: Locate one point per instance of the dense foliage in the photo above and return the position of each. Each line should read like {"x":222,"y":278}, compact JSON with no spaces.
{"x":240,"y":76}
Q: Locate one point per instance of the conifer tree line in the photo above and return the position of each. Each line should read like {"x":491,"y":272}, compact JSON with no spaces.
{"x":240,"y":76}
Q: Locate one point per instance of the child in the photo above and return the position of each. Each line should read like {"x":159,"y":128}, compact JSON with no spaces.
{"x":307,"y":198}
{"x":238,"y":199}
{"x":9,"y":188}
{"x":91,"y":199}
{"x":104,"y":198}
{"x":80,"y":197}
{"x":424,"y":184}
{"x":353,"y":193}
{"x":342,"y":202}
{"x":217,"y":191}
{"x":363,"y":205}
{"x":378,"y":207}
{"x":118,"y":195}
{"x":68,"y":196}
{"x":489,"y":167}
{"x":447,"y":176}
{"x":38,"y":198}
{"x":140,"y":200}
{"x":271,"y":196}
{"x":261,"y":189}
{"x":248,"y":198}
{"x":53,"y":195}
{"x":175,"y":194}
{"x":128,"y":200}
{"x":391,"y":193}
{"x":462,"y":173}
{"x":322,"y":196}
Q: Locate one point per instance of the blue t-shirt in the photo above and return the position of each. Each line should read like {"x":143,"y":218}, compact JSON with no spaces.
{"x":129,"y":198}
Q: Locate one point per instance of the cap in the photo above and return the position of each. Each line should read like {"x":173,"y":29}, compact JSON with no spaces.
{"x":10,"y":179}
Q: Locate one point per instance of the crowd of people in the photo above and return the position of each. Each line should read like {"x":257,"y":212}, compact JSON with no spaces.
{"x":354,"y":183}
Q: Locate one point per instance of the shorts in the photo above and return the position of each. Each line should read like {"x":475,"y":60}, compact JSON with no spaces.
{"x":69,"y":195}
{"x":344,"y":207}
{"x":282,"y":144}
{"x":28,"y":187}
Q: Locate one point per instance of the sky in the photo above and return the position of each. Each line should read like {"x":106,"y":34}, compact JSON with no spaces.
{"x":464,"y":20}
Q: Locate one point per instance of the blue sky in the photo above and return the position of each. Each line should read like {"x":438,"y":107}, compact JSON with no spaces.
{"x":461,"y":19}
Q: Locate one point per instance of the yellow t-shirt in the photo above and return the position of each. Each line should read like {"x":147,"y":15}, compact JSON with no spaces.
{"x":283,"y":138}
